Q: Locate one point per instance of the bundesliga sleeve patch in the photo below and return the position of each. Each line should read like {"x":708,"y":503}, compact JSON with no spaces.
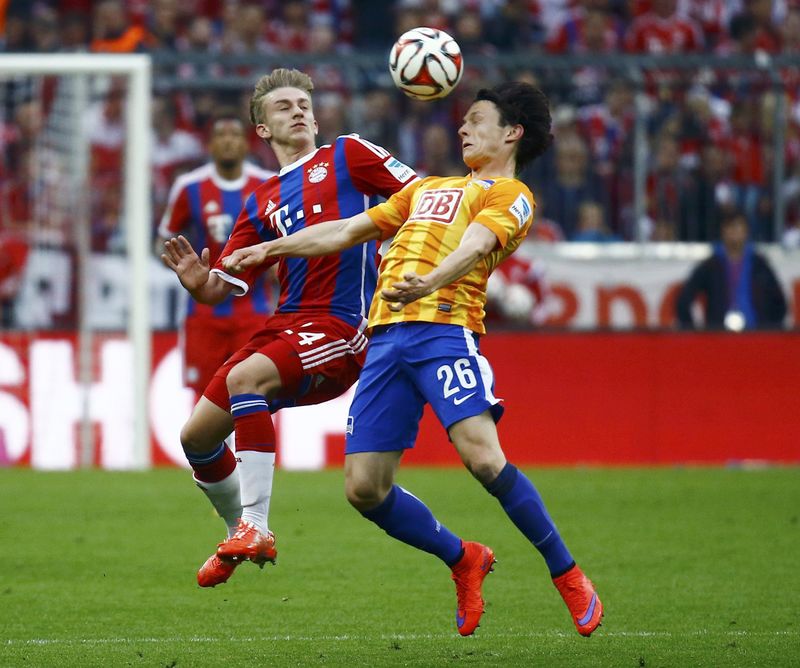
{"x":397,"y":169}
{"x":521,"y":209}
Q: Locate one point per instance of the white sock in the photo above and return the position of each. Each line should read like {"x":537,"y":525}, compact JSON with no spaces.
{"x":226,"y":498}
{"x":256,"y":470}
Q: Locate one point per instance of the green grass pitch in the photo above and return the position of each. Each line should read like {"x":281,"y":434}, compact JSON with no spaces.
{"x":697,"y":567}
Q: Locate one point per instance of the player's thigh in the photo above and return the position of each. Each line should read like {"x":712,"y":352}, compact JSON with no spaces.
{"x":327,"y":357}
{"x":265,"y":365}
{"x":387,"y":407}
{"x":452,"y":374}
{"x":256,"y":374}
{"x":207,"y":427}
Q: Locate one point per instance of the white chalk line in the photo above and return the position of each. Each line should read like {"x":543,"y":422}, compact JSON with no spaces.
{"x":387,"y":637}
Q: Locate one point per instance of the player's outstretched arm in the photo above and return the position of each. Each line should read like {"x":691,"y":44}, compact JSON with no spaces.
{"x":478,"y":241}
{"x":193,"y":271}
{"x":321,"y":239}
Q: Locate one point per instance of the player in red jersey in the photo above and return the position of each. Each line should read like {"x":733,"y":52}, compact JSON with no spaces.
{"x":203,"y":205}
{"x":312,"y":349}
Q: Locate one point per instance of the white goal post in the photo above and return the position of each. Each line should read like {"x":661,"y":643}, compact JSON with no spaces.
{"x":135,"y":208}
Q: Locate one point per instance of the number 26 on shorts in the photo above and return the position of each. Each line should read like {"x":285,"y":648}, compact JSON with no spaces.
{"x":456,"y":377}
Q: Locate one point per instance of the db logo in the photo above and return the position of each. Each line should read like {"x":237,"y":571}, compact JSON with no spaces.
{"x":439,"y":206}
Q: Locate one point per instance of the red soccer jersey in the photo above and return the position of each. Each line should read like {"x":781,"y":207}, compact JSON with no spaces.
{"x":334,"y":181}
{"x":203,"y":206}
{"x":655,"y":35}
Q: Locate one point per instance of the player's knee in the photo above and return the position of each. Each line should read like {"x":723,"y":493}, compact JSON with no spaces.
{"x":364,"y":493}
{"x":240,"y":381}
{"x":484,"y":463}
{"x":192,"y":440}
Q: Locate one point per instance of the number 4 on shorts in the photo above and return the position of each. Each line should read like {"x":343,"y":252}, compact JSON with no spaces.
{"x":307,"y":338}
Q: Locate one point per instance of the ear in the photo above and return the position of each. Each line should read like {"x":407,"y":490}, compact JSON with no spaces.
{"x":514,"y":133}
{"x":316,"y":127}
{"x":263,"y":131}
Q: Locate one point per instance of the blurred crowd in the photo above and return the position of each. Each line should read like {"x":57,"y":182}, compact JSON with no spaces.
{"x":710,"y":132}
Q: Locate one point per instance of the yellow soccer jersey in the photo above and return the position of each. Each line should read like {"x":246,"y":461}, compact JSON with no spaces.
{"x":428,"y":218}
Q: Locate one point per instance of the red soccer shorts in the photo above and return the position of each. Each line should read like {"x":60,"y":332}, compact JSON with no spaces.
{"x":207,"y":341}
{"x":318,"y":358}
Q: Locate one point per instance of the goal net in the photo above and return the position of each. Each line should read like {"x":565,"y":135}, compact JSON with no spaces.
{"x":75,"y":231}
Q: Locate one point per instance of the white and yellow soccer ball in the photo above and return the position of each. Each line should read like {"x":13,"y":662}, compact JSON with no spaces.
{"x":426,"y":63}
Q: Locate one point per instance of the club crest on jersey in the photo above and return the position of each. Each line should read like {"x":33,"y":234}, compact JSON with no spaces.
{"x":521,"y":209}
{"x":318,"y":172}
{"x":211,"y":207}
{"x":439,"y":205}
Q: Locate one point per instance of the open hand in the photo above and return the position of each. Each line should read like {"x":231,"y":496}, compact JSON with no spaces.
{"x":192,"y":270}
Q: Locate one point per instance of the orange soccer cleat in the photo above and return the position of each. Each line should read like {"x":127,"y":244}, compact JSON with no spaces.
{"x":468,"y":574}
{"x":584,"y":605}
{"x":248,"y":544}
{"x":215,"y":571}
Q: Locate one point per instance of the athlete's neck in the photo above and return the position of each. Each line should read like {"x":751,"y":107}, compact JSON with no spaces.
{"x":229,"y":173}
{"x":494,"y":168}
{"x":287,"y":155}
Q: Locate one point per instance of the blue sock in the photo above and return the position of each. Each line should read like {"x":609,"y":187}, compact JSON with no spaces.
{"x":404,"y":517}
{"x":525,"y":507}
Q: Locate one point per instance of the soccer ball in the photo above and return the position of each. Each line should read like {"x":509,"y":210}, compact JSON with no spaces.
{"x":426,"y":63}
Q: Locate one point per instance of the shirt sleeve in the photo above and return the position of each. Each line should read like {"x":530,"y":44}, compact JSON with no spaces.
{"x":390,"y":215}
{"x":374,"y":170}
{"x":178,"y":214}
{"x":507,"y":210}
{"x":248,"y":230}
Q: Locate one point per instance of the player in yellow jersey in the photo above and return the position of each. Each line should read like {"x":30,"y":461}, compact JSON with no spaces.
{"x":426,"y":318}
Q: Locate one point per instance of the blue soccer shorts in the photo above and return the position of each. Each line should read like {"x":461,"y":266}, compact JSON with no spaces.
{"x":408,"y":365}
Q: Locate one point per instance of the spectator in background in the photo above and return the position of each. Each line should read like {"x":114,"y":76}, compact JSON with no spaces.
{"x":768,"y":38}
{"x":112,"y":31}
{"x":572,"y":185}
{"x":662,"y":30}
{"x":200,"y":38}
{"x":737,"y":284}
{"x":379,"y":118}
{"x":163,"y":25}
{"x":45,"y":31}
{"x":289,"y":32}
{"x":74,"y":32}
{"x":437,"y":153}
{"x":591,"y":224}
{"x":711,"y":194}
{"x":174,"y":150}
{"x":746,"y":151}
{"x":330,"y":111}
{"x":668,"y":184}
{"x":590,"y":29}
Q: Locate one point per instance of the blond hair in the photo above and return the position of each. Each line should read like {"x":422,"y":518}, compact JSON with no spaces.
{"x":280,"y":78}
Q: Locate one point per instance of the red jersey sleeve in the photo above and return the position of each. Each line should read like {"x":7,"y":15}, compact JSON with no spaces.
{"x":246,"y":232}
{"x":374,"y":170}
{"x":177,"y":215}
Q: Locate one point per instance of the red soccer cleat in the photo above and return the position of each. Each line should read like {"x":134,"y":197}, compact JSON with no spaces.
{"x":584,"y":605}
{"x":215,"y":571}
{"x":248,"y":544}
{"x":468,"y":574}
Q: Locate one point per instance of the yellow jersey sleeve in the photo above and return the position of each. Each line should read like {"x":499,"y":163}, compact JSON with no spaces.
{"x":391,"y":214}
{"x":507,"y":210}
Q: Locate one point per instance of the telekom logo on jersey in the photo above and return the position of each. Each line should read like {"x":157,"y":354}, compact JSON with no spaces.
{"x":439,"y":205}
{"x":281,"y":220}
